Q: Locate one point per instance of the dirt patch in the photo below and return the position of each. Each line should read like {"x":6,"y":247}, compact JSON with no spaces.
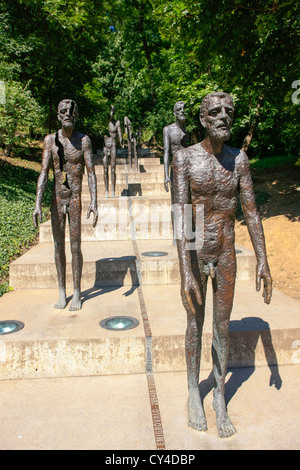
{"x":280,"y":213}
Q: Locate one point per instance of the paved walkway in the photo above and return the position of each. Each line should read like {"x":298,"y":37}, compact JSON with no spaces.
{"x":114,"y":412}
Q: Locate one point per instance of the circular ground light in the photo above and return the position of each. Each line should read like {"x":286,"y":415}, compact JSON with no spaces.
{"x":155,"y":253}
{"x":238,"y":251}
{"x":10,"y":326}
{"x":119,"y":323}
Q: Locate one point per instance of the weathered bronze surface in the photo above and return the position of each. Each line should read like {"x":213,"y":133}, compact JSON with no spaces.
{"x":106,"y":160}
{"x":135,"y":153}
{"x":110,"y":151}
{"x":174,"y":138}
{"x":128,"y":130}
{"x":213,"y":173}
{"x":67,"y":151}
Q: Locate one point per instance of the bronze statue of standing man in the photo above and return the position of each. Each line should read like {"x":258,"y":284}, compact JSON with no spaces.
{"x":128,"y":130}
{"x":114,"y":127}
{"x":214,"y":173}
{"x":67,"y":151}
{"x":174,"y":138}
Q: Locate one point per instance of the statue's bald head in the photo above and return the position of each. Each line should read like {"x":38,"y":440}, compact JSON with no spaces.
{"x":208,"y":98}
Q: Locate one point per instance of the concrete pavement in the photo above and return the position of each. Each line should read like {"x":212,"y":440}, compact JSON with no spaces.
{"x":114,"y":412}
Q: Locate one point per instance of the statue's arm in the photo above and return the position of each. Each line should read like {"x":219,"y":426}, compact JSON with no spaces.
{"x":181,"y":193}
{"x":166,"y":143}
{"x":255,"y":227}
{"x":119,"y":130}
{"x":42,"y":181}
{"x":92,"y":180}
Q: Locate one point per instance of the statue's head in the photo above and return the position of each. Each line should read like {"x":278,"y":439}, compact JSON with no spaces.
{"x":179,"y":112}
{"x":112,"y":110}
{"x":216,"y":115}
{"x":67,"y":113}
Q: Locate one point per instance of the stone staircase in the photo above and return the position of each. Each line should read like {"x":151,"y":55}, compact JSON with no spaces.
{"x":121,"y":276}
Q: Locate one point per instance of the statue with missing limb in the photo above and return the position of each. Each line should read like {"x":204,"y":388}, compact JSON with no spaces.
{"x":67,"y":151}
{"x":174,"y":138}
{"x":135,"y":152}
{"x":128,"y":130}
{"x":215,"y":173}
{"x":114,"y":127}
{"x":106,"y":160}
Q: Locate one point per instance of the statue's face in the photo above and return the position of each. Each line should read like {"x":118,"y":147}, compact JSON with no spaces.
{"x":179,"y":111}
{"x":217,"y":118}
{"x":67,"y":113}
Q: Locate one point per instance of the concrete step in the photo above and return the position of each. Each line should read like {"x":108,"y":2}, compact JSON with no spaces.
{"x":111,"y":263}
{"x":124,"y":168}
{"x":129,"y":189}
{"x":131,"y":177}
{"x":123,"y":160}
{"x":138,"y":204}
{"x":60,"y":343}
{"x":119,"y":226}
{"x":122,"y":219}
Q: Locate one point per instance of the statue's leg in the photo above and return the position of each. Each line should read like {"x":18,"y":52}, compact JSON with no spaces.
{"x":223,"y":292}
{"x":105,"y":173}
{"x":113,"y":170}
{"x":58,"y":221}
{"x":75,"y":242}
{"x":129,"y":153}
{"x":135,"y":157}
{"x":193,"y":344}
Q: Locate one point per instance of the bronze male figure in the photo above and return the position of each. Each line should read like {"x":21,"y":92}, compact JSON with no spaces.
{"x":107,"y":149}
{"x":174,"y":137}
{"x":114,"y":127}
{"x":67,"y":151}
{"x":214,"y":173}
{"x":128,"y":130}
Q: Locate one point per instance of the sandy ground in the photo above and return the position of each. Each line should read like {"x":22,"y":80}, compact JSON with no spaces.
{"x":280,"y":217}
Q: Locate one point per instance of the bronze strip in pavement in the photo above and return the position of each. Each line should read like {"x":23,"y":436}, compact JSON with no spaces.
{"x":154,"y":405}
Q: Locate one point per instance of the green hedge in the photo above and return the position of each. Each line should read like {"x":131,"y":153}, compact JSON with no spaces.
{"x":17,"y":201}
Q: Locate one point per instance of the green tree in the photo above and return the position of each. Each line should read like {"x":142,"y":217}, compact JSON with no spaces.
{"x":249,"y":49}
{"x":19,"y":113}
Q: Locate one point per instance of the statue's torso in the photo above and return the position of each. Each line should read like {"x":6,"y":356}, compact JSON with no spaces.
{"x":213,"y":186}
{"x":68,"y":161}
{"x":178,"y":137}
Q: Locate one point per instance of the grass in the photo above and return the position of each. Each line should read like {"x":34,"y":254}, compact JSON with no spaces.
{"x":17,"y":201}
{"x":273,"y":163}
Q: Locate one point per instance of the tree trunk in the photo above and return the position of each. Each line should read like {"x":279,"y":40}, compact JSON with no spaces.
{"x":253,"y":125}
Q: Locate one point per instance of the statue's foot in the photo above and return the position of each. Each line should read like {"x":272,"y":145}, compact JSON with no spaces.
{"x":224,"y":425}
{"x":76,"y":303}
{"x":113,"y":194}
{"x":196,"y":414}
{"x":62,"y":300}
{"x":106,"y":194}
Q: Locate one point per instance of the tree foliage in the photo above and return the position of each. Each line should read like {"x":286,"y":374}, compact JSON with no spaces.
{"x":144,"y":55}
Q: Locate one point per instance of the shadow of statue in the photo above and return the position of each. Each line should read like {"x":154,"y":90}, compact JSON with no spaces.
{"x":133,"y":189}
{"x":110,"y":276}
{"x":244,"y":336}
